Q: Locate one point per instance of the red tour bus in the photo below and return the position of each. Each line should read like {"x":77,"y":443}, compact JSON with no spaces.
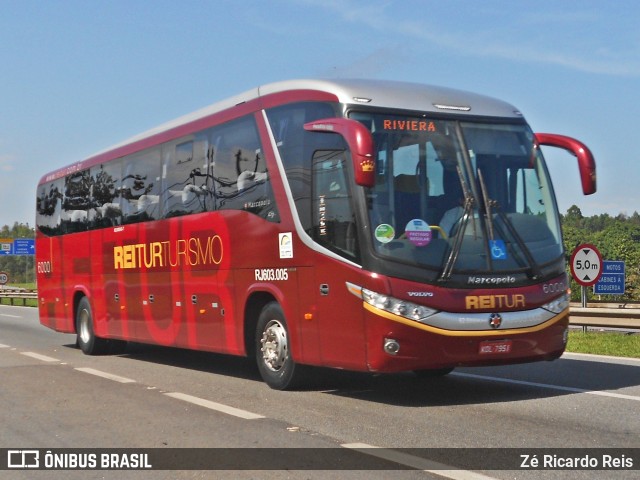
{"x":363,"y":225}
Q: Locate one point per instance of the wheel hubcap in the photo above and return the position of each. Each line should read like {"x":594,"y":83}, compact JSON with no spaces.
{"x":85,"y":336}
{"x":275,"y":349}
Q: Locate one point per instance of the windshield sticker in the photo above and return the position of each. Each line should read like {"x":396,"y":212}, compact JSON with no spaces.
{"x":418,"y":232}
{"x":409,"y":125}
{"x":498,"y":249}
{"x":384,"y":233}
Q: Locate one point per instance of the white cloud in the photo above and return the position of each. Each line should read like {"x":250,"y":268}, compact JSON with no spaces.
{"x":7,"y":162}
{"x":369,"y":65}
{"x":526,"y":38}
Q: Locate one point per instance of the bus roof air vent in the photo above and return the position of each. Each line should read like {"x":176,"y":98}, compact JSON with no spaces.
{"x":458,"y":108}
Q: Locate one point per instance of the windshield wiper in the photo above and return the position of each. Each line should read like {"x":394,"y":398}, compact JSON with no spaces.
{"x":533,"y":265}
{"x":488,"y":206}
{"x":469,"y":202}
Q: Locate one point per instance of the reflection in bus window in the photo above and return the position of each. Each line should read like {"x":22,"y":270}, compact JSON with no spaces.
{"x":334,"y":220}
{"x":105,"y":196}
{"x":141,"y":187}
{"x":75,"y":202}
{"x":241,"y":180}
{"x":49,"y":207}
{"x":185,"y":187}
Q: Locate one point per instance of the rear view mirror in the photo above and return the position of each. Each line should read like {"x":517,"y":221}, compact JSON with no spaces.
{"x":360,"y":144}
{"x":586,"y":162}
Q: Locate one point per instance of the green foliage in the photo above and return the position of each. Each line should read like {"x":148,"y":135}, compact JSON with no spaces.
{"x":19,"y":267}
{"x":617,"y":238}
{"x":19,"y":230}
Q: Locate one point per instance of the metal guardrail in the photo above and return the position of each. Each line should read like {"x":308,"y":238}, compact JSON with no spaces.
{"x":21,"y":295}
{"x":600,"y":316}
{"x":605,"y":317}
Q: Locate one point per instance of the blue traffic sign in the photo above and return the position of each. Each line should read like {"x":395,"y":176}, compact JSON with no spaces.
{"x":18,"y":246}
{"x":24,"y":246}
{"x":612,"y":280}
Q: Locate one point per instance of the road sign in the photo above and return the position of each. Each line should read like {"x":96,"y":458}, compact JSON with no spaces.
{"x":18,"y":246}
{"x":586,"y":265}
{"x":4,"y":278}
{"x":24,"y":246}
{"x":611,"y":281}
{"x":6,"y":246}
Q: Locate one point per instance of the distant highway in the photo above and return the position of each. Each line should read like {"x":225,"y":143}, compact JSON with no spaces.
{"x":52,"y":396}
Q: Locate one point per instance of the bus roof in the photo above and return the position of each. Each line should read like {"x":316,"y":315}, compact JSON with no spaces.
{"x":401,"y":95}
{"x":378,"y":93}
{"x":372,"y":93}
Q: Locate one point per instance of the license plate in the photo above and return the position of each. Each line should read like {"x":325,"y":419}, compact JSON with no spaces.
{"x":492,"y":347}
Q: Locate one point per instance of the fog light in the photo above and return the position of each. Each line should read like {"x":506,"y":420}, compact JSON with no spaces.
{"x":565,"y":336}
{"x":391,"y":346}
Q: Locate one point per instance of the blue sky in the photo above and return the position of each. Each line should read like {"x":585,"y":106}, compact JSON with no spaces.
{"x":78,"y":76}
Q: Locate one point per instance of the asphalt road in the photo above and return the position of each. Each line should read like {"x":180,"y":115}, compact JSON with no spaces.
{"x":54,"y":397}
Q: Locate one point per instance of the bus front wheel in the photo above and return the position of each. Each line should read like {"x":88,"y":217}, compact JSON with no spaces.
{"x":87,"y":340}
{"x":273,"y":354}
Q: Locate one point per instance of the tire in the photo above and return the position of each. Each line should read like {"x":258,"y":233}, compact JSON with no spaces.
{"x":436,"y":372}
{"x":87,"y":340}
{"x":272,"y":347}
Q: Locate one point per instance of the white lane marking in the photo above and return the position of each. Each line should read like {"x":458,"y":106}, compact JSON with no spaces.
{"x":106,"y":375}
{"x":37,"y":356}
{"x":593,"y":357}
{"x":10,"y":316}
{"x":418,"y":463}
{"x":546,"y":385}
{"x":2,"y":345}
{"x":219,"y":407}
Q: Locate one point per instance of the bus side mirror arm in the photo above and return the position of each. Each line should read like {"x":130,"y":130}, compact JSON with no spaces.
{"x":586,"y":162}
{"x":360,"y":144}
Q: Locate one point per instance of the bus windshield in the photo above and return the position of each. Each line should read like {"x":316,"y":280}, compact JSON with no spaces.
{"x":461,"y":197}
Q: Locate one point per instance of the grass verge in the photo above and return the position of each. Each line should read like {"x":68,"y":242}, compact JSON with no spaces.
{"x":615,"y":344}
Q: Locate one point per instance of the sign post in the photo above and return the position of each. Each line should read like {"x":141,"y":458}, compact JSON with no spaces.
{"x":586,"y":267}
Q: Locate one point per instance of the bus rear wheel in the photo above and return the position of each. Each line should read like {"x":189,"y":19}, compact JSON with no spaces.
{"x":273,"y":354}
{"x":87,"y":340}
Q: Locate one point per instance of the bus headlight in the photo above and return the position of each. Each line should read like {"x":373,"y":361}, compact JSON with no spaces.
{"x":558,"y":305}
{"x":402,"y":308}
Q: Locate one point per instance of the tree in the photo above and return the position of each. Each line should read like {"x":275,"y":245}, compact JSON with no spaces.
{"x":573,"y":216}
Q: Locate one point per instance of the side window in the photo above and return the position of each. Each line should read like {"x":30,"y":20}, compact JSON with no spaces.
{"x":49,"y":207}
{"x":333,"y":218}
{"x":185,"y":182}
{"x":76,"y":202}
{"x":105,"y":195}
{"x":240,"y":176}
{"x":141,"y":187}
{"x":296,"y":148}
